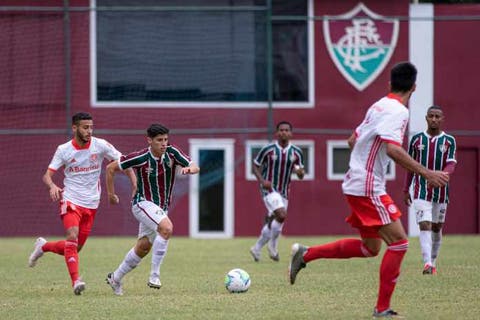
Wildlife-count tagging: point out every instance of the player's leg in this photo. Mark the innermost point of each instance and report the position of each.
(279, 216)
(396, 239)
(160, 246)
(423, 213)
(439, 214)
(71, 222)
(131, 260)
(271, 203)
(41, 245)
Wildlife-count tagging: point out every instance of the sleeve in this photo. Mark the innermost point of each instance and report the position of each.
(180, 157)
(260, 156)
(131, 160)
(452, 151)
(110, 152)
(300, 161)
(57, 160)
(392, 128)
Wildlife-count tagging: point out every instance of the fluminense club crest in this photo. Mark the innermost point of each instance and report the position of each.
(360, 43)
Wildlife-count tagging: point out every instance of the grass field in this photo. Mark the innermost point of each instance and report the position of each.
(193, 273)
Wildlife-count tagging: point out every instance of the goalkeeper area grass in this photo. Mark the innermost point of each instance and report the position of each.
(193, 272)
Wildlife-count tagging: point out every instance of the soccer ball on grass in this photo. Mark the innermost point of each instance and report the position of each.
(237, 281)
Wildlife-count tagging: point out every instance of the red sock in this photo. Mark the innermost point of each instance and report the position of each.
(71, 259)
(389, 272)
(57, 247)
(341, 249)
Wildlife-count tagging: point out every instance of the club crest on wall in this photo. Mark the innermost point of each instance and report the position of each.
(360, 43)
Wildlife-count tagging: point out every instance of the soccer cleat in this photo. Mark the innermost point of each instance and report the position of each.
(116, 285)
(255, 254)
(37, 252)
(272, 253)
(78, 287)
(296, 261)
(154, 282)
(429, 269)
(389, 313)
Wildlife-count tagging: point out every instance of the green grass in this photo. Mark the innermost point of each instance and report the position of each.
(193, 273)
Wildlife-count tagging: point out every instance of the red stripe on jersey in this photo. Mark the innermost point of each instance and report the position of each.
(392, 142)
(431, 164)
(147, 192)
(369, 181)
(281, 172)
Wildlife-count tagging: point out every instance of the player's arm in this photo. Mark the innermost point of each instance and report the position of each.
(400, 156)
(256, 172)
(112, 168)
(351, 140)
(54, 191)
(191, 169)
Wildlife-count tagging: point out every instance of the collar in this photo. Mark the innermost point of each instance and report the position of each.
(78, 147)
(395, 97)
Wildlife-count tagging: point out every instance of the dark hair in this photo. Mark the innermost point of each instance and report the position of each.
(402, 77)
(156, 129)
(434, 107)
(77, 117)
(284, 122)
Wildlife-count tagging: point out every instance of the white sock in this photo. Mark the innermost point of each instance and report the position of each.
(426, 245)
(436, 243)
(129, 263)
(159, 251)
(276, 231)
(265, 235)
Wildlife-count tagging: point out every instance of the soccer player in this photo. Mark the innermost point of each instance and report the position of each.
(273, 167)
(378, 138)
(435, 150)
(155, 169)
(82, 159)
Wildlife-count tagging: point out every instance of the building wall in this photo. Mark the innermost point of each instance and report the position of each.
(32, 98)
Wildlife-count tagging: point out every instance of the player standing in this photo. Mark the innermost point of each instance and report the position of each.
(155, 169)
(82, 159)
(435, 150)
(277, 161)
(378, 138)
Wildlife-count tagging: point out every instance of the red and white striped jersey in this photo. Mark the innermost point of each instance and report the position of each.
(385, 122)
(83, 166)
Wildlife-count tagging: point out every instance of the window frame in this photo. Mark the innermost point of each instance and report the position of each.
(343, 144)
(309, 144)
(95, 103)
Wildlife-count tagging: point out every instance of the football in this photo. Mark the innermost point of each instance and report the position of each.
(237, 281)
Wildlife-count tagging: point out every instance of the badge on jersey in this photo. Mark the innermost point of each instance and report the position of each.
(360, 43)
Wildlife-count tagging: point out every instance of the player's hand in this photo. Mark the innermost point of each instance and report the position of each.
(437, 179)
(55, 192)
(186, 170)
(407, 198)
(267, 185)
(299, 171)
(113, 199)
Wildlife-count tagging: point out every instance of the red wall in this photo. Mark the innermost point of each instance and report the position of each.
(32, 95)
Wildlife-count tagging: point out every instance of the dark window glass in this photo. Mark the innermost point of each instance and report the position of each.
(198, 56)
(211, 203)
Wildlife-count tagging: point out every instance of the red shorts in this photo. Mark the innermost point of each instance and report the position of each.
(73, 215)
(370, 213)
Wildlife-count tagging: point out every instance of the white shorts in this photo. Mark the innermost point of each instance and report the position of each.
(429, 211)
(149, 216)
(274, 201)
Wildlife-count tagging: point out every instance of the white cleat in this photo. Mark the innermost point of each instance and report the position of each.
(255, 254)
(273, 253)
(37, 252)
(116, 285)
(154, 282)
(78, 287)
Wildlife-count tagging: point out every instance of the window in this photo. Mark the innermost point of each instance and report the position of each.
(194, 57)
(338, 156)
(252, 147)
